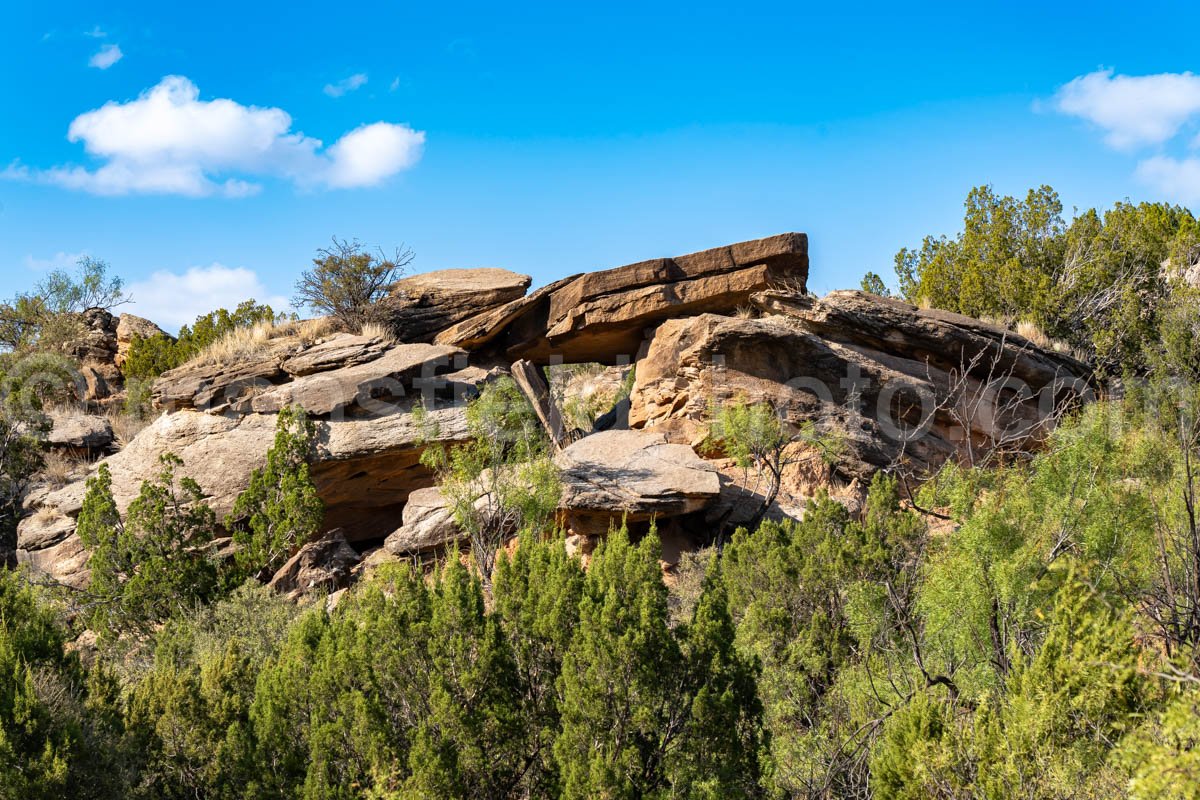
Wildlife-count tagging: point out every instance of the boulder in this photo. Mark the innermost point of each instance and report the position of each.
(79, 432)
(130, 327)
(323, 565)
(633, 476)
(339, 350)
(428, 524)
(420, 306)
(603, 316)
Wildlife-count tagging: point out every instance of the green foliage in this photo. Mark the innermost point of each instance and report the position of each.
(1099, 282)
(47, 317)
(347, 279)
(56, 740)
(151, 356)
(537, 594)
(810, 599)
(874, 284)
(153, 565)
(621, 716)
(189, 715)
(280, 510)
(757, 437)
(503, 480)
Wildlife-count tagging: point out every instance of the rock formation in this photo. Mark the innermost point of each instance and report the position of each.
(130, 327)
(896, 387)
(421, 306)
(896, 384)
(602, 316)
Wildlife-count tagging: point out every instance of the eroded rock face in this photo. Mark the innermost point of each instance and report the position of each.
(130, 327)
(368, 445)
(603, 316)
(634, 476)
(321, 566)
(333, 375)
(79, 432)
(420, 306)
(428, 524)
(892, 384)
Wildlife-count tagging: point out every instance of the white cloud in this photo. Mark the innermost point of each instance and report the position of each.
(106, 56)
(59, 260)
(169, 141)
(96, 33)
(395, 84)
(172, 299)
(1177, 178)
(1132, 109)
(370, 153)
(345, 85)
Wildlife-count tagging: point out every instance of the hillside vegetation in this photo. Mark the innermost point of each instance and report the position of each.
(1026, 629)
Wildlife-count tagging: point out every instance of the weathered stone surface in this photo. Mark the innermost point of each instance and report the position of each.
(339, 350)
(101, 380)
(218, 386)
(323, 565)
(388, 377)
(364, 470)
(428, 524)
(602, 316)
(890, 395)
(948, 340)
(45, 528)
(129, 327)
(98, 339)
(65, 561)
(633, 475)
(420, 306)
(78, 431)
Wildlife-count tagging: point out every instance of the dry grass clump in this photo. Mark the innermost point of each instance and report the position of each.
(378, 331)
(125, 426)
(1039, 337)
(746, 312)
(59, 469)
(243, 343)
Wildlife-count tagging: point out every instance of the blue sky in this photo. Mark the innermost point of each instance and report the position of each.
(555, 138)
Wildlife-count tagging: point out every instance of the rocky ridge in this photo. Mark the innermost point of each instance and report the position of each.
(728, 324)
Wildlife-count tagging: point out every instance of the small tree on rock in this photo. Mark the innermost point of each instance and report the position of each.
(347, 279)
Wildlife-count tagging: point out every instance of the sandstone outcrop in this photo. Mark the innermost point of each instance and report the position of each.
(634, 476)
(602, 316)
(878, 384)
(78, 432)
(892, 383)
(329, 376)
(420, 306)
(130, 327)
(96, 348)
(368, 443)
(321, 566)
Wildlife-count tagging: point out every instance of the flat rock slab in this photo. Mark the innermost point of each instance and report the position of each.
(420, 306)
(636, 475)
(75, 430)
(389, 376)
(340, 350)
(602, 316)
